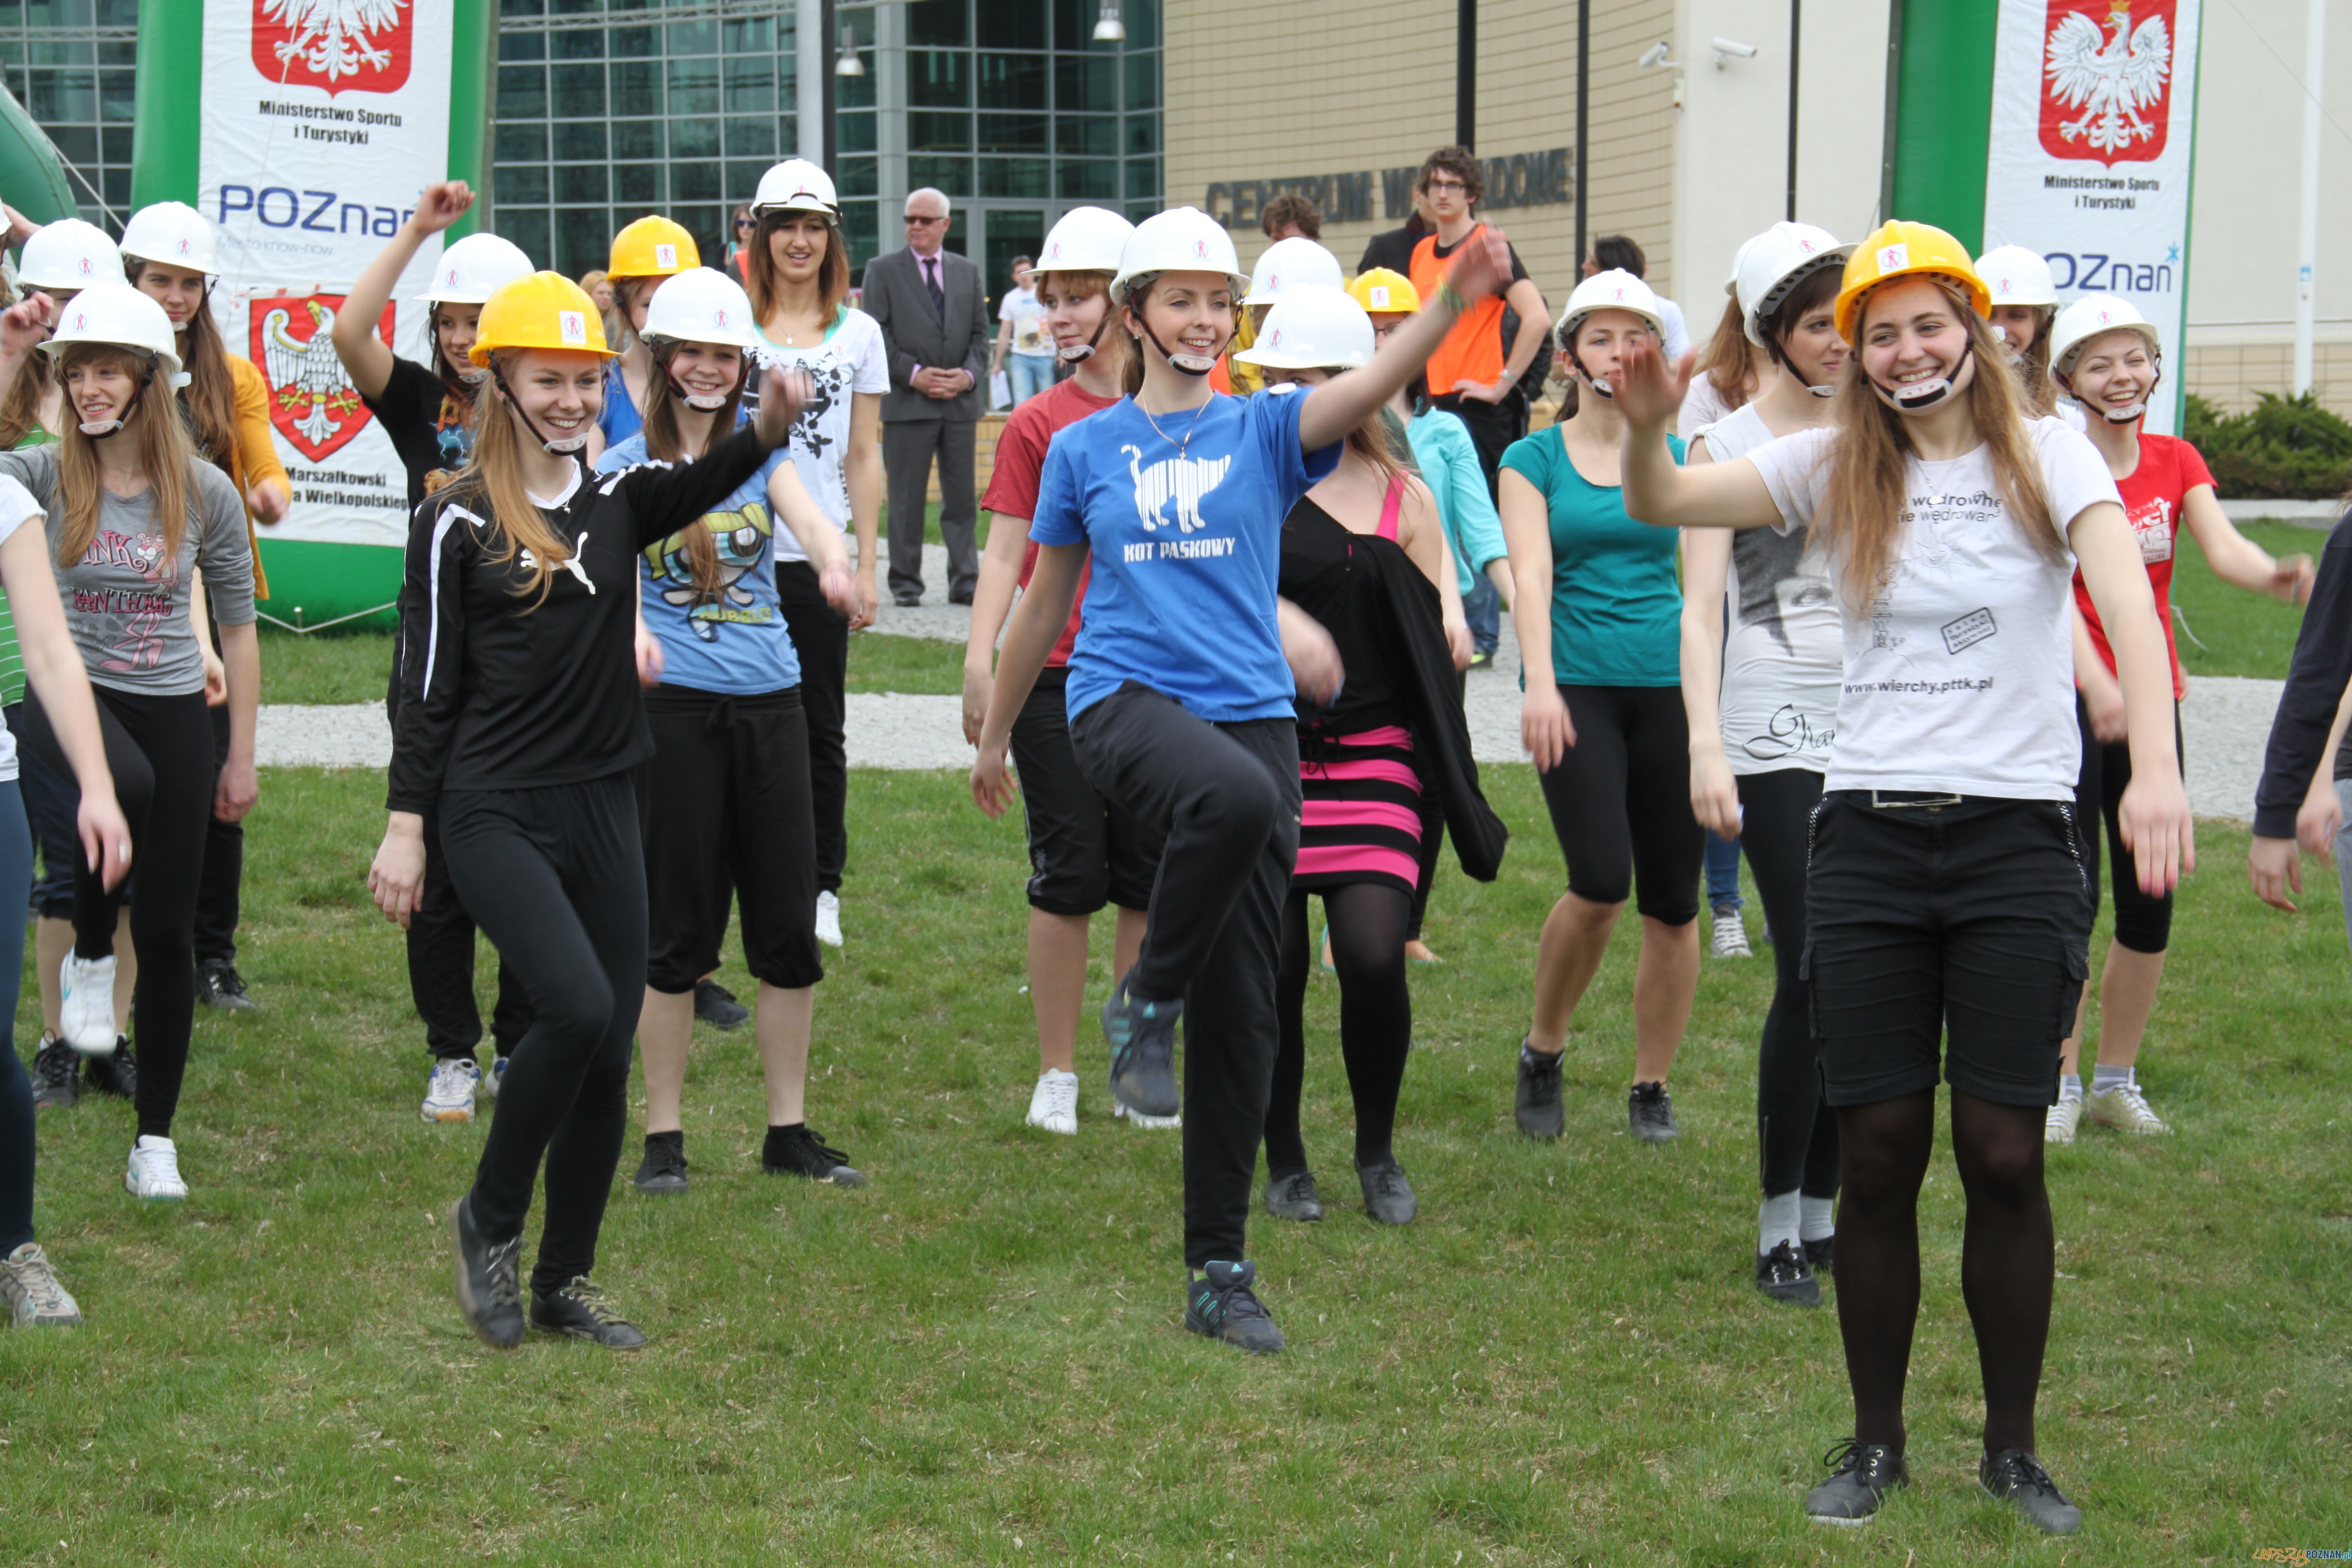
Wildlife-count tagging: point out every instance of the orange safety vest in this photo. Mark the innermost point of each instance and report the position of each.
(1473, 350)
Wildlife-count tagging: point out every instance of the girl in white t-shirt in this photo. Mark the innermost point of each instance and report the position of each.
(1945, 892)
(1021, 334)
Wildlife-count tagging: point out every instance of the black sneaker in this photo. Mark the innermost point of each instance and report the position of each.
(800, 1151)
(1538, 1101)
(1142, 1036)
(580, 1311)
(56, 1073)
(1865, 1474)
(1388, 1197)
(2016, 1478)
(1651, 1112)
(663, 1170)
(1785, 1276)
(1822, 1255)
(1221, 1306)
(117, 1075)
(1292, 1195)
(219, 985)
(489, 1295)
(716, 1006)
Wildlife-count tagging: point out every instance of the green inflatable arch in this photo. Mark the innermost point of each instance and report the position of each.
(32, 174)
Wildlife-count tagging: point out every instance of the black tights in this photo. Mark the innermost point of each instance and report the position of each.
(1796, 1139)
(1369, 921)
(2007, 1257)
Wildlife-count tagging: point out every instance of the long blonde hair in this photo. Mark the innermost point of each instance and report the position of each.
(494, 477)
(1730, 359)
(20, 407)
(166, 453)
(1867, 504)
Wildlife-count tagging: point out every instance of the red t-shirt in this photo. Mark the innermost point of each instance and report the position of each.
(2153, 493)
(1020, 460)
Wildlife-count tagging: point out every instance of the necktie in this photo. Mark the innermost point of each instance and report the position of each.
(931, 281)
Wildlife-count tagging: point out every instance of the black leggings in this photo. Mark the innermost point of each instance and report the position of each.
(820, 638)
(1619, 801)
(16, 1088)
(557, 878)
(219, 894)
(161, 752)
(2143, 924)
(1368, 936)
(1797, 1136)
(441, 969)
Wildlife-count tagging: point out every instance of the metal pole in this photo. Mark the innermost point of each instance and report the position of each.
(830, 26)
(1796, 34)
(1465, 73)
(1891, 137)
(1583, 97)
(2315, 48)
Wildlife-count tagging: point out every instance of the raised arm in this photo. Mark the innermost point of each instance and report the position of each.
(664, 499)
(363, 353)
(1344, 402)
(2154, 813)
(1659, 491)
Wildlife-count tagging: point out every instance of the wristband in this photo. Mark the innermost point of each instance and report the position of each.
(1447, 295)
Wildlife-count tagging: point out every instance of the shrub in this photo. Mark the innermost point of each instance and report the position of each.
(2285, 449)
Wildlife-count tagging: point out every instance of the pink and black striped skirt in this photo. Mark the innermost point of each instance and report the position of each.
(1362, 816)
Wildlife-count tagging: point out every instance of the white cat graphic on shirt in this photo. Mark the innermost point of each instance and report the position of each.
(1181, 479)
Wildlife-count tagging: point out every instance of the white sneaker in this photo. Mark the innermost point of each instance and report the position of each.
(495, 1079)
(2064, 1116)
(2124, 1109)
(31, 1294)
(1149, 1123)
(1054, 1103)
(449, 1093)
(1730, 934)
(86, 1005)
(155, 1170)
(828, 918)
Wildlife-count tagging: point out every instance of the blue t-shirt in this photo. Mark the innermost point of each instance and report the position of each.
(620, 419)
(1187, 544)
(734, 642)
(1616, 606)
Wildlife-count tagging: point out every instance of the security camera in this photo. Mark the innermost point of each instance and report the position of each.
(1726, 48)
(1654, 55)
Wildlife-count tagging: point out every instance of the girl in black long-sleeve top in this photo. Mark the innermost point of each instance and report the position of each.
(519, 722)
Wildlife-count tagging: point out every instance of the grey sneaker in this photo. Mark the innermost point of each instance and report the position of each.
(1292, 1195)
(1142, 1036)
(56, 1073)
(1223, 1305)
(1650, 1111)
(29, 1289)
(1537, 1102)
(1865, 1474)
(1786, 1275)
(2016, 1478)
(489, 1294)
(578, 1311)
(1388, 1197)
(801, 1150)
(716, 1006)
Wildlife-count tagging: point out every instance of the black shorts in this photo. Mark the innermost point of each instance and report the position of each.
(1619, 801)
(1084, 852)
(1970, 922)
(723, 807)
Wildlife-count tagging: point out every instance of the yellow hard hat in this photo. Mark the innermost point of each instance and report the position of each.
(544, 310)
(1901, 249)
(1384, 291)
(652, 247)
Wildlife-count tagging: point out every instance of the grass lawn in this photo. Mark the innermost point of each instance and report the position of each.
(978, 1357)
(2240, 633)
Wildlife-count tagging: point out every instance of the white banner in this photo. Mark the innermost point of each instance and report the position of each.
(2093, 111)
(323, 120)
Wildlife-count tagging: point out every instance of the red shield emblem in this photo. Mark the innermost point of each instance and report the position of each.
(2106, 78)
(312, 399)
(344, 46)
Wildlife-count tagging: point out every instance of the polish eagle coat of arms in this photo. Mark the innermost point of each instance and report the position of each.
(2107, 88)
(312, 402)
(339, 45)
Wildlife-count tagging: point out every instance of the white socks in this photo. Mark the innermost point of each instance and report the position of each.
(1777, 1219)
(2107, 1080)
(2069, 1086)
(1818, 1218)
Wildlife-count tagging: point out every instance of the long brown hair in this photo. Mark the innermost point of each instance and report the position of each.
(766, 289)
(493, 475)
(663, 442)
(2032, 371)
(1112, 346)
(1729, 360)
(164, 456)
(210, 396)
(1864, 510)
(20, 408)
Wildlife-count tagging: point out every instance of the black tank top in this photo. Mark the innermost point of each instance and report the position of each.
(1327, 572)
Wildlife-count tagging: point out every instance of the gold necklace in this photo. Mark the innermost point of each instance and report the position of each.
(1180, 445)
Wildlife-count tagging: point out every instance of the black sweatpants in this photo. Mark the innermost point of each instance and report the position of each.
(820, 637)
(217, 893)
(16, 1088)
(1796, 1134)
(161, 752)
(2143, 924)
(1227, 798)
(441, 969)
(1619, 801)
(557, 878)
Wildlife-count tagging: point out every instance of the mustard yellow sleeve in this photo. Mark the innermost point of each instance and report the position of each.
(256, 453)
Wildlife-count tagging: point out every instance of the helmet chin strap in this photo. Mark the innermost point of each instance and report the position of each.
(706, 402)
(1085, 350)
(569, 447)
(1920, 395)
(1183, 365)
(1780, 357)
(99, 429)
(1600, 384)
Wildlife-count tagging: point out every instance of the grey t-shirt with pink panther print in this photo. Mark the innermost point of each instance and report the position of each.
(125, 602)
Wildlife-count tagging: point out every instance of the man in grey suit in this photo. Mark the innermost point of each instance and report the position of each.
(934, 324)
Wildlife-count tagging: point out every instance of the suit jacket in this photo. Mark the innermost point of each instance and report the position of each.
(914, 333)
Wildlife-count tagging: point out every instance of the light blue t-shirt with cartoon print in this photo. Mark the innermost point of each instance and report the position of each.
(1186, 533)
(734, 641)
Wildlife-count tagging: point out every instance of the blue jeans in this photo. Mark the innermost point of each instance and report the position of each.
(1483, 609)
(1722, 872)
(1029, 374)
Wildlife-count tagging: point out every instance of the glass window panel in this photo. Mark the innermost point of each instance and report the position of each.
(522, 92)
(577, 44)
(520, 142)
(858, 177)
(115, 90)
(1088, 84)
(524, 182)
(521, 47)
(638, 185)
(743, 179)
(693, 87)
(580, 142)
(1092, 179)
(77, 143)
(748, 36)
(1138, 211)
(752, 137)
(1143, 81)
(117, 54)
(629, 43)
(1142, 132)
(934, 131)
(942, 21)
(752, 84)
(116, 185)
(1014, 177)
(855, 91)
(59, 96)
(574, 7)
(696, 182)
(636, 87)
(693, 139)
(694, 38)
(853, 133)
(939, 79)
(953, 175)
(1011, 82)
(859, 226)
(636, 139)
(1012, 26)
(114, 143)
(577, 90)
(1143, 176)
(1074, 24)
(584, 239)
(51, 51)
(1142, 19)
(788, 134)
(1013, 133)
(1082, 137)
(521, 8)
(581, 182)
(117, 13)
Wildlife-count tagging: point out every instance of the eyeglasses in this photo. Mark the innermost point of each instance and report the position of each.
(1446, 185)
(743, 223)
(914, 218)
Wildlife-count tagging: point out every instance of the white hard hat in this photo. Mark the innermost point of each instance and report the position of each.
(474, 269)
(115, 313)
(69, 254)
(2092, 316)
(1085, 239)
(1181, 239)
(700, 306)
(2016, 276)
(1738, 259)
(174, 234)
(1615, 289)
(1776, 261)
(1289, 265)
(797, 186)
(1318, 328)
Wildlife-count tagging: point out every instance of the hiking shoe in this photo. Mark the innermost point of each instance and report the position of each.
(449, 1092)
(494, 1080)
(154, 1169)
(1822, 1255)
(1149, 1123)
(489, 1296)
(2063, 1118)
(1482, 660)
(578, 1311)
(1650, 1111)
(716, 1006)
(1865, 1474)
(1222, 1305)
(828, 918)
(56, 1073)
(2016, 1478)
(29, 1289)
(1142, 1036)
(117, 1075)
(662, 1172)
(1730, 933)
(800, 1151)
(1054, 1103)
(1537, 1104)
(1786, 1275)
(2124, 1109)
(219, 985)
(86, 1005)
(1388, 1197)
(1292, 1195)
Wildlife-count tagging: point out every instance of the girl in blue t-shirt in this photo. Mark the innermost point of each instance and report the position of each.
(1180, 693)
(724, 803)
